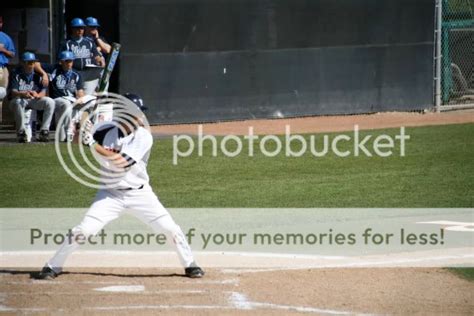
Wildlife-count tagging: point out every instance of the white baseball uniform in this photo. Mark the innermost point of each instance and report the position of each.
(131, 193)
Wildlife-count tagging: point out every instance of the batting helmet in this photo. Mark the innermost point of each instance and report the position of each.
(66, 55)
(28, 56)
(77, 22)
(137, 100)
(91, 21)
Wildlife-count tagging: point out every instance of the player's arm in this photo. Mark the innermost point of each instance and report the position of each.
(44, 75)
(120, 160)
(40, 94)
(135, 151)
(79, 88)
(8, 49)
(6, 52)
(99, 59)
(103, 45)
(21, 94)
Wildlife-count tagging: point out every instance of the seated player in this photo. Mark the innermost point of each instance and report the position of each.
(28, 92)
(66, 88)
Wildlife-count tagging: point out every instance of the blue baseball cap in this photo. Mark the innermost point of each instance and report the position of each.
(28, 56)
(91, 21)
(77, 22)
(66, 55)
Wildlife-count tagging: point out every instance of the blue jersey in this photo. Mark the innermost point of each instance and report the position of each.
(64, 84)
(7, 42)
(84, 51)
(22, 81)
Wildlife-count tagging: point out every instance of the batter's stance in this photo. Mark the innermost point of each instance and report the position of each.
(126, 145)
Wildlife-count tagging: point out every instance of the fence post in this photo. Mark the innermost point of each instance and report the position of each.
(438, 57)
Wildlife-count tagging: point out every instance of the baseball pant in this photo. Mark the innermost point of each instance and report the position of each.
(18, 106)
(109, 205)
(3, 82)
(4, 77)
(63, 107)
(90, 86)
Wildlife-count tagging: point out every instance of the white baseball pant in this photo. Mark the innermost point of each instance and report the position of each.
(109, 205)
(18, 106)
(63, 106)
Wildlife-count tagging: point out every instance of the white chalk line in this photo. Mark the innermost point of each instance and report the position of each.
(139, 307)
(241, 302)
(453, 226)
(4, 308)
(122, 288)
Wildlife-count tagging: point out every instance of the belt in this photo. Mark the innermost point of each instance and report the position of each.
(128, 189)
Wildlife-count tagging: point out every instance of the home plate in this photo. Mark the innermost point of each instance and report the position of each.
(122, 288)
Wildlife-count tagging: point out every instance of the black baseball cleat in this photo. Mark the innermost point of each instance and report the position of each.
(43, 136)
(47, 274)
(194, 272)
(22, 138)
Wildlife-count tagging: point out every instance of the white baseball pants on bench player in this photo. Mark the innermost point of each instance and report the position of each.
(109, 205)
(19, 105)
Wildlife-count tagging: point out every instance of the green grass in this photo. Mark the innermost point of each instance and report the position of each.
(466, 273)
(436, 172)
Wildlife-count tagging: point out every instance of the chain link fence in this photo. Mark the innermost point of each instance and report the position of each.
(456, 49)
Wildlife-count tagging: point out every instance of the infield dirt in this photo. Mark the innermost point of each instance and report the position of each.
(316, 291)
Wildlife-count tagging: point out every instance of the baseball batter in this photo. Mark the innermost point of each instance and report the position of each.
(127, 149)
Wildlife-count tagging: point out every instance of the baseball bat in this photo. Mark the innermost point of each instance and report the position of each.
(109, 67)
(105, 78)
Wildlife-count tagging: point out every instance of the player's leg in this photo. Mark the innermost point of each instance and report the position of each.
(105, 208)
(63, 107)
(4, 74)
(17, 106)
(145, 205)
(45, 104)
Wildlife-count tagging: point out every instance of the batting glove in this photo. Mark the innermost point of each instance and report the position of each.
(86, 134)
